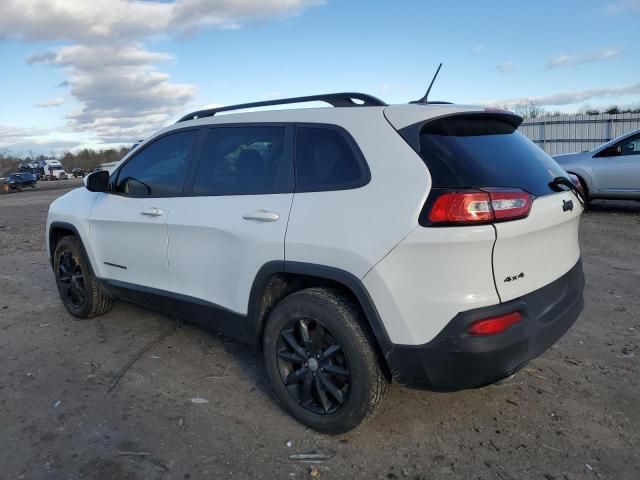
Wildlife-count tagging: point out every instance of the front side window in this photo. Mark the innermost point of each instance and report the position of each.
(160, 168)
(630, 146)
(244, 161)
(326, 161)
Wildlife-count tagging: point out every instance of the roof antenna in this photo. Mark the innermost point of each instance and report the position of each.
(423, 100)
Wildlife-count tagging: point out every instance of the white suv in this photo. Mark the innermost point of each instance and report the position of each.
(431, 244)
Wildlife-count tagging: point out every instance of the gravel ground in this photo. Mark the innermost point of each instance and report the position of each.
(573, 413)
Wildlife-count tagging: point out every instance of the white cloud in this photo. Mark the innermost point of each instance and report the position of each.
(53, 102)
(88, 21)
(623, 6)
(571, 97)
(112, 75)
(121, 94)
(477, 49)
(571, 60)
(92, 57)
(22, 140)
(505, 67)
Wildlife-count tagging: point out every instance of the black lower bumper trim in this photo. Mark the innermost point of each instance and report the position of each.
(455, 360)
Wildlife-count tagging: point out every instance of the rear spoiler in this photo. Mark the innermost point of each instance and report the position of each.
(411, 134)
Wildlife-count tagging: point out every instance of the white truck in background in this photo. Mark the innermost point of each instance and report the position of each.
(54, 170)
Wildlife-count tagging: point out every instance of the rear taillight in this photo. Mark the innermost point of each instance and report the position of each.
(469, 207)
(494, 325)
(458, 207)
(576, 181)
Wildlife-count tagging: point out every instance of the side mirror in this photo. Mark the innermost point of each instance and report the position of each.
(97, 181)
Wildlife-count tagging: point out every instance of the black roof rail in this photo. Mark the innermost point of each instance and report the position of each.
(345, 99)
(434, 102)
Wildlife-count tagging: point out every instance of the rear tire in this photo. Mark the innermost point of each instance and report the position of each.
(77, 286)
(321, 360)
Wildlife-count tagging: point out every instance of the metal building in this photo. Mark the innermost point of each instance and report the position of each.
(577, 133)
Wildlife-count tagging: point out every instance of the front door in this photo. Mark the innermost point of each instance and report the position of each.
(619, 172)
(128, 225)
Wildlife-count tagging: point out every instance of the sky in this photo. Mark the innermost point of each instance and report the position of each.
(101, 73)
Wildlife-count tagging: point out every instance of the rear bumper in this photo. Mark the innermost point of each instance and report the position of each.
(455, 360)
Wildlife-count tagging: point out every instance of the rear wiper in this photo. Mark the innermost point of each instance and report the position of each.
(558, 182)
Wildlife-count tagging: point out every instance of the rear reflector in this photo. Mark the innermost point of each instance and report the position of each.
(476, 206)
(494, 325)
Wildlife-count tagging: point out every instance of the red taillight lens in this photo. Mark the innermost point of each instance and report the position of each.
(510, 205)
(480, 207)
(461, 207)
(493, 325)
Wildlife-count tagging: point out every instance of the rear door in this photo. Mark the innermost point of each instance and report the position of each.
(231, 221)
(485, 152)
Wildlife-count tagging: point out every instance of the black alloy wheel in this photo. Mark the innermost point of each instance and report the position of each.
(321, 360)
(77, 285)
(71, 278)
(313, 366)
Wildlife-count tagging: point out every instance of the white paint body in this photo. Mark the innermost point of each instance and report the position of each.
(418, 278)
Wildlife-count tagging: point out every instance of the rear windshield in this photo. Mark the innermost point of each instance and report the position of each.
(481, 151)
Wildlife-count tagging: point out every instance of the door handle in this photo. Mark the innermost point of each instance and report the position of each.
(261, 216)
(152, 212)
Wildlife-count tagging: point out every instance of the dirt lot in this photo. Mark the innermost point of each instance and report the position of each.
(573, 413)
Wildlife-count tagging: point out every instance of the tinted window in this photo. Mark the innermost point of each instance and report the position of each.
(160, 168)
(244, 160)
(326, 161)
(630, 146)
(482, 151)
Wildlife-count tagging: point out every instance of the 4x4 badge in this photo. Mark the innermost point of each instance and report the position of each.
(567, 205)
(514, 278)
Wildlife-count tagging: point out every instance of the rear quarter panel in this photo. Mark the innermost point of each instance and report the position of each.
(353, 229)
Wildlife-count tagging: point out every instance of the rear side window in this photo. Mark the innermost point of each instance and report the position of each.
(244, 161)
(326, 160)
(160, 168)
(485, 151)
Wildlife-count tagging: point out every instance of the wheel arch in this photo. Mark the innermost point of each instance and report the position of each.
(584, 177)
(59, 230)
(277, 279)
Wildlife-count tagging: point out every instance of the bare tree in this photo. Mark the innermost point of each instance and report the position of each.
(528, 108)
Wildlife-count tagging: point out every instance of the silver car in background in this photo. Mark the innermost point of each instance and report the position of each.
(610, 171)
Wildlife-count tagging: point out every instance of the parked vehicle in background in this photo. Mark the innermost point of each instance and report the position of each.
(17, 181)
(610, 171)
(27, 179)
(32, 168)
(355, 244)
(77, 172)
(54, 170)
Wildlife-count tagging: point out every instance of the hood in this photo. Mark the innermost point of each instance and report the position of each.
(570, 157)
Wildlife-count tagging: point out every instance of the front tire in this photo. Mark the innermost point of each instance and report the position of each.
(585, 189)
(77, 286)
(321, 361)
